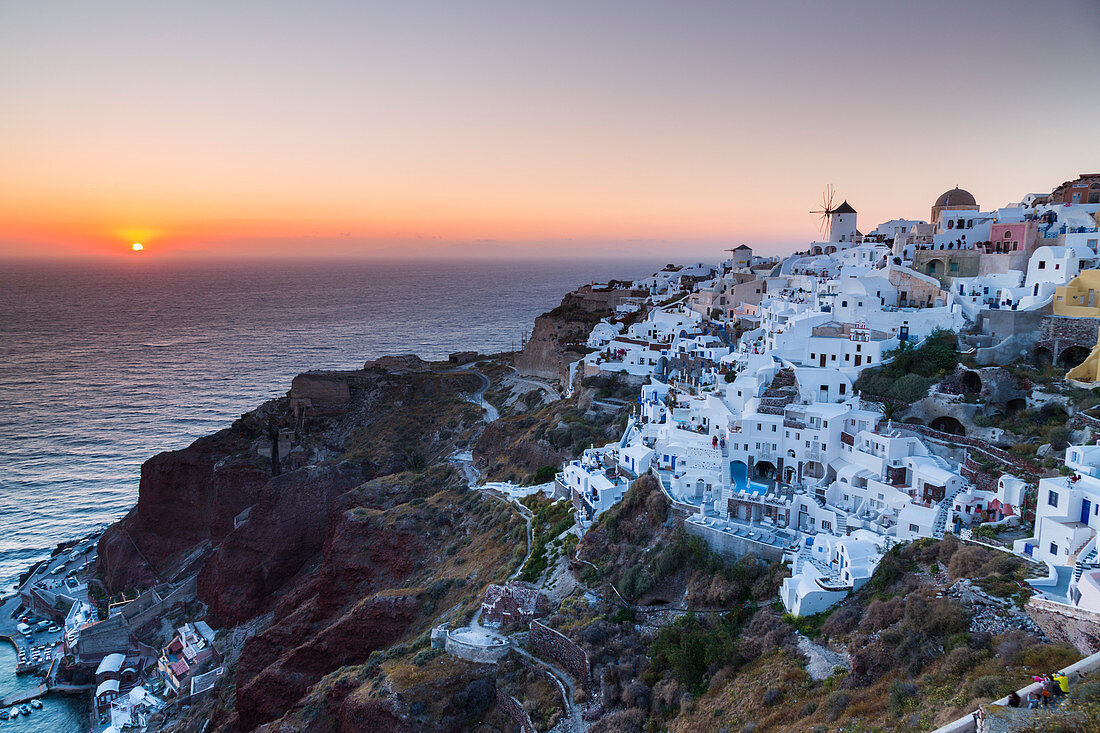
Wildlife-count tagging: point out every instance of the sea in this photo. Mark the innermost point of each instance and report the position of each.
(103, 365)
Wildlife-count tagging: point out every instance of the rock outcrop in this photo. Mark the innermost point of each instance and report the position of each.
(340, 547)
(558, 338)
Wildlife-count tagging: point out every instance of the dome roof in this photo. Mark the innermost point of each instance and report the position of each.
(956, 197)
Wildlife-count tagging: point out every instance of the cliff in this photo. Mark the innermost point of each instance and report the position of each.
(354, 535)
(558, 337)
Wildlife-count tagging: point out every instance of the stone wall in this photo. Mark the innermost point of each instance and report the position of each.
(1013, 464)
(729, 545)
(545, 642)
(480, 653)
(1058, 333)
(607, 298)
(514, 710)
(319, 393)
(156, 602)
(1068, 624)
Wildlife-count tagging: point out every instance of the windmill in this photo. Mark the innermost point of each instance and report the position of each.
(827, 210)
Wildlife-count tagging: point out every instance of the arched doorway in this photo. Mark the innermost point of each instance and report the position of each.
(1015, 405)
(789, 475)
(948, 424)
(814, 470)
(1042, 356)
(970, 382)
(1071, 357)
(764, 469)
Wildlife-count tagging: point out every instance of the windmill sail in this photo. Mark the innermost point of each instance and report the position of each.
(828, 196)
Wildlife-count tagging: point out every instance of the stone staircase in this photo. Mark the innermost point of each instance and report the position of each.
(1087, 562)
(780, 393)
(842, 524)
(943, 511)
(805, 552)
(841, 528)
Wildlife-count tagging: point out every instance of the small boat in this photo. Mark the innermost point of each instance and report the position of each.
(36, 704)
(14, 712)
(4, 715)
(24, 709)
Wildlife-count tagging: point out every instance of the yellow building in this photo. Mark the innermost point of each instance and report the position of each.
(1089, 369)
(1078, 297)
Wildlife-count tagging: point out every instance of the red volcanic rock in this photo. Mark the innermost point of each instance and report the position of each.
(185, 497)
(285, 530)
(359, 715)
(371, 624)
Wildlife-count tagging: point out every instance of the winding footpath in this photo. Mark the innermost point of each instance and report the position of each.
(566, 687)
(574, 721)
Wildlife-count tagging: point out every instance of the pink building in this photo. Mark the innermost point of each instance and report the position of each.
(1021, 236)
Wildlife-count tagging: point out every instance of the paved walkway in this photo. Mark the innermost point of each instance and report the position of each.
(566, 687)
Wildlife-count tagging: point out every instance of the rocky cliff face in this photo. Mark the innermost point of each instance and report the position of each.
(546, 354)
(357, 537)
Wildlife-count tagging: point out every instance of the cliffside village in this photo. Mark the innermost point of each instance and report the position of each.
(749, 416)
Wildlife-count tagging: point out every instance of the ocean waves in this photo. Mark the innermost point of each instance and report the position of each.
(104, 367)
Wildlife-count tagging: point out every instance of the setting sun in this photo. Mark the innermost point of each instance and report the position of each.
(137, 246)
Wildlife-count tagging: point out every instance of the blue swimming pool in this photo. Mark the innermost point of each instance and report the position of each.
(739, 477)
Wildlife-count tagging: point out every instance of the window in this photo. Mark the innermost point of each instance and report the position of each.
(843, 388)
(1042, 265)
(914, 528)
(773, 428)
(1052, 498)
(1053, 549)
(954, 267)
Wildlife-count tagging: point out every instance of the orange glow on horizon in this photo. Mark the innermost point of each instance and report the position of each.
(526, 129)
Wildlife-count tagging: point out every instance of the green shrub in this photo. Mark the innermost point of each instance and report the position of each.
(835, 705)
(991, 686)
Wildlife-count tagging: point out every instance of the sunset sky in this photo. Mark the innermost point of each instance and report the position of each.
(587, 128)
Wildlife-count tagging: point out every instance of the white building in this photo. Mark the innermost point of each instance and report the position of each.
(596, 482)
(1067, 515)
(827, 569)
